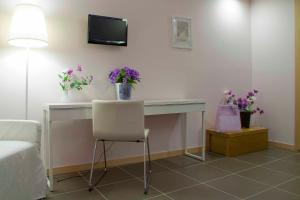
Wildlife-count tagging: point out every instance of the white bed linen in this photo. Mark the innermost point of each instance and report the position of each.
(22, 174)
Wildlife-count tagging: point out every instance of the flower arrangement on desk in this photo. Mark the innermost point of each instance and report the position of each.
(246, 105)
(124, 79)
(71, 79)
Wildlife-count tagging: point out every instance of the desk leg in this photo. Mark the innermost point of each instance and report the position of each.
(184, 131)
(203, 136)
(48, 149)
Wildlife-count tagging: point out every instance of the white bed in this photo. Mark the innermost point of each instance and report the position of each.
(22, 174)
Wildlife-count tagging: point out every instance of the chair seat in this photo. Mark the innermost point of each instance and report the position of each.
(21, 168)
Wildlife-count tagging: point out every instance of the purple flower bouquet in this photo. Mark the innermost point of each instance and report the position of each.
(124, 79)
(246, 105)
(124, 75)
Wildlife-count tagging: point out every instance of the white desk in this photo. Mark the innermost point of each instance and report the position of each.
(53, 112)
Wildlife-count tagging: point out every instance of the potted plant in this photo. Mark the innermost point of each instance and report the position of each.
(124, 80)
(246, 106)
(73, 80)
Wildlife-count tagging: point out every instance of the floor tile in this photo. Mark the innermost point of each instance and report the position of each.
(284, 166)
(256, 158)
(274, 195)
(292, 186)
(238, 186)
(230, 164)
(128, 190)
(294, 159)
(184, 179)
(70, 182)
(203, 172)
(210, 156)
(113, 175)
(161, 197)
(138, 169)
(178, 162)
(276, 152)
(266, 176)
(200, 192)
(79, 195)
(169, 181)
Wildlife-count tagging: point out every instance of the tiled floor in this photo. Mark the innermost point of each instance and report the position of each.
(272, 174)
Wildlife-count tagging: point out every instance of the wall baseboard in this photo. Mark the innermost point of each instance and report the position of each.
(123, 161)
(282, 145)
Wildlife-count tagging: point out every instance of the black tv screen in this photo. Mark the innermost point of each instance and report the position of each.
(107, 30)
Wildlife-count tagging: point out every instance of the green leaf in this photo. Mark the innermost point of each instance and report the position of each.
(72, 85)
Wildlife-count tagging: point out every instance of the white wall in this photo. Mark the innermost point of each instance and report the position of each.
(273, 65)
(220, 59)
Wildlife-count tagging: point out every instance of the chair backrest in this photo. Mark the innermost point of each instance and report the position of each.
(118, 120)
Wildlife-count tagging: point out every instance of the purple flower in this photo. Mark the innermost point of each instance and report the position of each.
(124, 75)
(251, 94)
(79, 68)
(70, 72)
(255, 91)
(261, 112)
(114, 75)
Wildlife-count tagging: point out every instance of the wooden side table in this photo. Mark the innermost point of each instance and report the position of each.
(238, 143)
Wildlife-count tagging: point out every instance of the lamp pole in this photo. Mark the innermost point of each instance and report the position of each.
(26, 82)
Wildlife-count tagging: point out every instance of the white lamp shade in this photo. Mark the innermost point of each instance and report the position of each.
(28, 28)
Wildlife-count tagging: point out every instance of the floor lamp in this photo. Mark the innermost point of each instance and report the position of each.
(28, 30)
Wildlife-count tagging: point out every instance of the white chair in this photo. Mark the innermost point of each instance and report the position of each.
(121, 121)
(22, 172)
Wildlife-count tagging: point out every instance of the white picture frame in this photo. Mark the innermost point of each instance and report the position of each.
(182, 32)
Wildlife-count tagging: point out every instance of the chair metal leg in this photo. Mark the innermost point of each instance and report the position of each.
(104, 152)
(92, 185)
(149, 159)
(93, 163)
(147, 168)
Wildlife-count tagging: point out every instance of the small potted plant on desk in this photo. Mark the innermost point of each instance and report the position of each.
(73, 80)
(124, 79)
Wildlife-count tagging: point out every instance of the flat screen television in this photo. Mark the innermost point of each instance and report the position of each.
(107, 30)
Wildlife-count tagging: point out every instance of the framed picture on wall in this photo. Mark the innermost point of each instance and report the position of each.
(182, 32)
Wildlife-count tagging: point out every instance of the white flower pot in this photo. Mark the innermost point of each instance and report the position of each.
(123, 91)
(73, 96)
